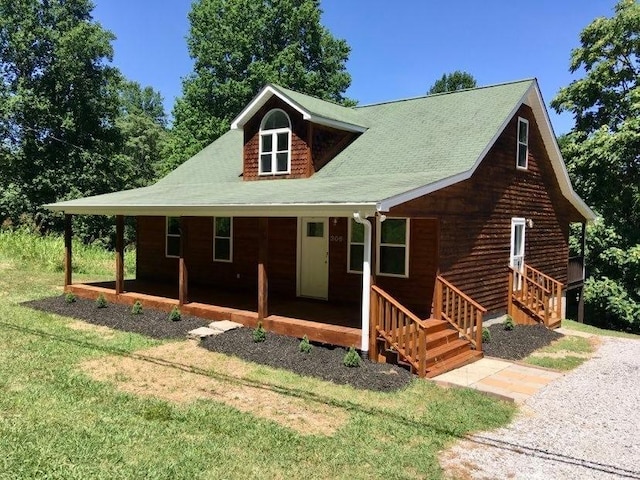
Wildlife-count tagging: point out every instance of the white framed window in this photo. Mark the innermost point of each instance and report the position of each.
(172, 237)
(393, 247)
(522, 155)
(355, 254)
(223, 239)
(275, 144)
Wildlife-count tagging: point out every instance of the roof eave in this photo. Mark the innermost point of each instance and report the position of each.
(366, 209)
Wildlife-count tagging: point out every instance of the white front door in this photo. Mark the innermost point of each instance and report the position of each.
(314, 257)
(516, 260)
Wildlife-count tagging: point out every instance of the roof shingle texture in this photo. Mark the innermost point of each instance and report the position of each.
(408, 144)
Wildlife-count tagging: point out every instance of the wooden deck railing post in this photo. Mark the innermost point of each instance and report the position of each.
(68, 236)
(119, 254)
(478, 330)
(437, 300)
(510, 295)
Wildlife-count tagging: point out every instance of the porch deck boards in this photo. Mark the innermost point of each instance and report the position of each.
(336, 324)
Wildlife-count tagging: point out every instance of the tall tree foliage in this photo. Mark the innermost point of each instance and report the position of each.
(240, 45)
(70, 125)
(450, 82)
(603, 158)
(59, 104)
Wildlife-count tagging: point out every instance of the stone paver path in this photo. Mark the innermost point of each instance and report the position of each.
(500, 378)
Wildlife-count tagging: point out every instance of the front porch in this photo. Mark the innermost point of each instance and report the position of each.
(331, 323)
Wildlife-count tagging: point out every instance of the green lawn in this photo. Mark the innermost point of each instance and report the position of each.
(583, 327)
(58, 422)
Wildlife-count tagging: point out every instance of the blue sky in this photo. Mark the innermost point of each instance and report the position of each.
(398, 48)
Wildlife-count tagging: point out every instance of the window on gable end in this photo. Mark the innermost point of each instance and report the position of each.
(522, 157)
(275, 143)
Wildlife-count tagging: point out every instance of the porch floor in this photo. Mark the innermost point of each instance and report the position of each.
(321, 321)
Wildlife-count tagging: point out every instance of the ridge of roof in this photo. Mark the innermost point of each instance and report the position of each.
(452, 92)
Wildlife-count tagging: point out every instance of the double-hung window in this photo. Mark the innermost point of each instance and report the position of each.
(393, 247)
(172, 237)
(522, 158)
(275, 143)
(356, 247)
(222, 239)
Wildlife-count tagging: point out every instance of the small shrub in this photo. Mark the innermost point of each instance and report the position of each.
(305, 346)
(101, 302)
(351, 358)
(70, 298)
(486, 335)
(259, 334)
(509, 324)
(175, 315)
(137, 308)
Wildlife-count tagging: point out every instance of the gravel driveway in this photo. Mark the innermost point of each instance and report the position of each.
(585, 425)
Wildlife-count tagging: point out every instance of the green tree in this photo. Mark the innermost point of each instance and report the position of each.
(142, 125)
(603, 158)
(58, 106)
(450, 82)
(238, 46)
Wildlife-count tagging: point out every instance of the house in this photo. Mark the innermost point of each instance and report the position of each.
(395, 227)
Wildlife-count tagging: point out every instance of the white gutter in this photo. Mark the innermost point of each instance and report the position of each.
(366, 282)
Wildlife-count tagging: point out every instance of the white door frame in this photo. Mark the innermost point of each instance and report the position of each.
(299, 255)
(516, 260)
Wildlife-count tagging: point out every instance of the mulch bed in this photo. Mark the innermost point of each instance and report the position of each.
(518, 343)
(322, 362)
(277, 351)
(152, 323)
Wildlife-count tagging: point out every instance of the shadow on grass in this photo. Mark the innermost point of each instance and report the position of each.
(345, 404)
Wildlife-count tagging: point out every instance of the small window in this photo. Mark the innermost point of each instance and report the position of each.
(315, 229)
(522, 159)
(356, 247)
(222, 239)
(172, 243)
(275, 144)
(393, 247)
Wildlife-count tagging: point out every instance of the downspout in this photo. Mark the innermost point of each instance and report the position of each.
(366, 283)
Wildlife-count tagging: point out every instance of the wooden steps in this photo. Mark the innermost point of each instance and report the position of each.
(446, 350)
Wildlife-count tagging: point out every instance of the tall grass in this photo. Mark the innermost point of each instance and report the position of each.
(46, 253)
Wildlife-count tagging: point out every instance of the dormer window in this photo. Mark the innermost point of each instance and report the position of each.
(275, 143)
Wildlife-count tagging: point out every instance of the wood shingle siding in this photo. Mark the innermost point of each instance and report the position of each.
(476, 214)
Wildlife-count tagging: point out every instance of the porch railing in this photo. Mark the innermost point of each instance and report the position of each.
(537, 292)
(402, 329)
(460, 310)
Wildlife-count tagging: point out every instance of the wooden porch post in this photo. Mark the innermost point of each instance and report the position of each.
(68, 234)
(263, 280)
(183, 278)
(119, 254)
(583, 247)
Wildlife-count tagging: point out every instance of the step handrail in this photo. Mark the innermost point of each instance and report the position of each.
(400, 327)
(537, 290)
(459, 309)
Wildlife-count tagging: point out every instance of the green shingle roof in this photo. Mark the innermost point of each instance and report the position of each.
(407, 144)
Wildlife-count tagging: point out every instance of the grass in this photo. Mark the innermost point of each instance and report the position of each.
(57, 422)
(564, 354)
(583, 327)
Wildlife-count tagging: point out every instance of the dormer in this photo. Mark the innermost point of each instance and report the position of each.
(292, 135)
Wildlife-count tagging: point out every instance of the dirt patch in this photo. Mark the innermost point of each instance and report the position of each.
(561, 354)
(141, 377)
(518, 343)
(103, 331)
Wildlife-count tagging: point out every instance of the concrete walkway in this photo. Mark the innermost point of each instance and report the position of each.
(500, 378)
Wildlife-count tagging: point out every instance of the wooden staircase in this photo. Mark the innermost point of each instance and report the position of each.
(534, 298)
(426, 347)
